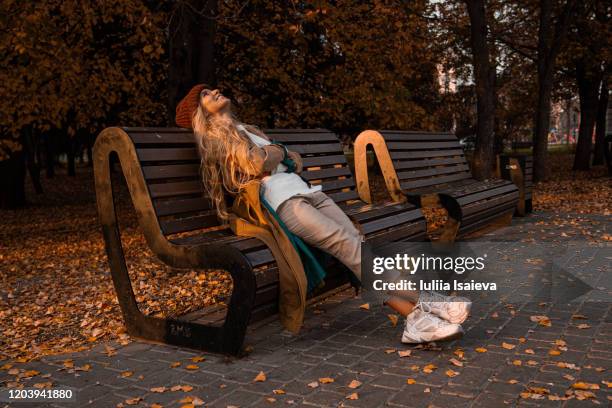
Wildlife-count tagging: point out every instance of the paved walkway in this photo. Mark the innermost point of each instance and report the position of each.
(503, 354)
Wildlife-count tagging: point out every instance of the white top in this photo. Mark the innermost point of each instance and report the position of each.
(279, 186)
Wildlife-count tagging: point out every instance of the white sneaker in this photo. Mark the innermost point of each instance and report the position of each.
(423, 327)
(453, 309)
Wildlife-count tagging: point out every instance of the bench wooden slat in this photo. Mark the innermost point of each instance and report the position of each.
(423, 145)
(419, 154)
(388, 222)
(189, 223)
(163, 138)
(344, 196)
(326, 173)
(409, 164)
(171, 171)
(312, 161)
(316, 148)
(185, 205)
(434, 181)
(416, 174)
(172, 154)
(417, 136)
(176, 189)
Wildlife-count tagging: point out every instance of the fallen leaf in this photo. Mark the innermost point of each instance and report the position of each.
(354, 384)
(541, 320)
(508, 346)
(410, 381)
(133, 401)
(313, 384)
(428, 369)
(198, 359)
(390, 351)
(529, 351)
(261, 377)
(583, 326)
(517, 363)
(427, 390)
(326, 380)
(158, 389)
(126, 374)
(192, 367)
(456, 362)
(459, 353)
(353, 396)
(278, 392)
(481, 350)
(365, 306)
(512, 381)
(585, 386)
(394, 318)
(451, 373)
(554, 352)
(404, 353)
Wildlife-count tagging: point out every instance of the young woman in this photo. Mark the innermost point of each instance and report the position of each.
(234, 153)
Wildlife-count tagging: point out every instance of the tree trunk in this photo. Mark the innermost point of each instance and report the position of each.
(12, 181)
(600, 126)
(550, 39)
(50, 141)
(191, 50)
(70, 152)
(29, 146)
(484, 77)
(588, 81)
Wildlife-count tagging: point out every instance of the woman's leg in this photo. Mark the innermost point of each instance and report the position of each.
(319, 221)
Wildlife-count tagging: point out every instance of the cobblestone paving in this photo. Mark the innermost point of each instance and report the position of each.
(344, 342)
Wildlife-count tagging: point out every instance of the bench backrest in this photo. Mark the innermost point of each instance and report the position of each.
(424, 160)
(171, 166)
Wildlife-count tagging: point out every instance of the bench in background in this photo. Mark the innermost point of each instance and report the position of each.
(418, 165)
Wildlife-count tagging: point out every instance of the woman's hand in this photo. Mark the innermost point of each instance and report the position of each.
(298, 161)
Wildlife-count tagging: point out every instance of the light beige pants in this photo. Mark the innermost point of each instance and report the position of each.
(319, 221)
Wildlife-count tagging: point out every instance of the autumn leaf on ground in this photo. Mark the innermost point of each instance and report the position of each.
(313, 384)
(158, 389)
(353, 396)
(192, 367)
(175, 364)
(390, 351)
(480, 350)
(365, 306)
(571, 366)
(404, 353)
(517, 363)
(197, 359)
(554, 352)
(410, 381)
(354, 384)
(456, 362)
(532, 363)
(429, 368)
(529, 351)
(508, 346)
(513, 381)
(260, 377)
(278, 392)
(459, 353)
(126, 374)
(451, 373)
(585, 386)
(583, 326)
(133, 401)
(326, 380)
(541, 320)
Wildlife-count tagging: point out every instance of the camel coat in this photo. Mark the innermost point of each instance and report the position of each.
(248, 217)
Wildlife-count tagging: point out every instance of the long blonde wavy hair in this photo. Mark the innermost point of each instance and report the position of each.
(225, 156)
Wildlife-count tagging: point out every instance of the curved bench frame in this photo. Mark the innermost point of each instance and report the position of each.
(227, 338)
(453, 223)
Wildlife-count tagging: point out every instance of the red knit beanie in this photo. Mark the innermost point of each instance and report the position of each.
(188, 106)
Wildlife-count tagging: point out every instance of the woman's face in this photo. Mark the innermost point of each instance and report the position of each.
(214, 101)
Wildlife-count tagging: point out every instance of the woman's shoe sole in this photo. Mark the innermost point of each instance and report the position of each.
(453, 336)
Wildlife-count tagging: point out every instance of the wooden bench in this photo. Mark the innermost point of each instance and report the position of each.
(420, 166)
(162, 171)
